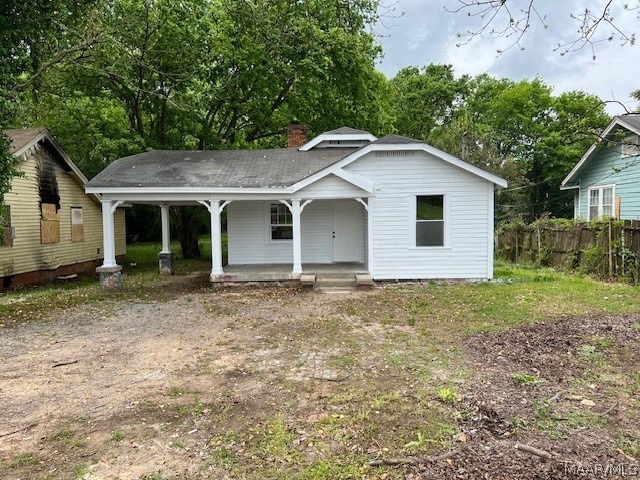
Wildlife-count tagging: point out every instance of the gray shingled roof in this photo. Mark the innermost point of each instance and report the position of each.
(631, 119)
(396, 139)
(346, 131)
(217, 168)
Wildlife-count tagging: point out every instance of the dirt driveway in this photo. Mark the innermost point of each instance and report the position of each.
(280, 382)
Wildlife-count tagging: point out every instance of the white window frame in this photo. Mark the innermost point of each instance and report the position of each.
(270, 239)
(79, 214)
(413, 221)
(600, 189)
(630, 146)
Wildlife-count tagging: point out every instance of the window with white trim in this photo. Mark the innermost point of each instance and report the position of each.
(281, 222)
(630, 146)
(601, 201)
(430, 221)
(77, 224)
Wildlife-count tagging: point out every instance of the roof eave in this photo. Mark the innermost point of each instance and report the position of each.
(590, 153)
(325, 137)
(189, 190)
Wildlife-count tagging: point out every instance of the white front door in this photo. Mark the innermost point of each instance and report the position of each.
(348, 240)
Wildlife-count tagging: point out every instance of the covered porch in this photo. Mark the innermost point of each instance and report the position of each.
(318, 239)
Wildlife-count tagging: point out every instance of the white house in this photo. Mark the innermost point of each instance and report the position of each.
(394, 207)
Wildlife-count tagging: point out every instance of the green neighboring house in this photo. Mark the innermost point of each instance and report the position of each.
(606, 180)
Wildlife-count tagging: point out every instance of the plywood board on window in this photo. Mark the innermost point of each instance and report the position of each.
(49, 211)
(49, 231)
(77, 233)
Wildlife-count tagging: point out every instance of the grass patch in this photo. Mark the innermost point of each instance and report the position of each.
(21, 460)
(524, 379)
(447, 395)
(519, 295)
(67, 438)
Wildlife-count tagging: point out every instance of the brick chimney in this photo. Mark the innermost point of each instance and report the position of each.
(296, 134)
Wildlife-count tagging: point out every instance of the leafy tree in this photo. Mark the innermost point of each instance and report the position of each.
(215, 74)
(424, 99)
(34, 36)
(518, 130)
(544, 134)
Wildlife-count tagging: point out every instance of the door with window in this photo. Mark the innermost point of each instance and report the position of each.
(348, 240)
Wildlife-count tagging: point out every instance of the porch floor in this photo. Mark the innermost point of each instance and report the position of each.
(274, 272)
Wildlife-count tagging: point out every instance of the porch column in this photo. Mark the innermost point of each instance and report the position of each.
(165, 257)
(108, 234)
(297, 237)
(110, 271)
(216, 239)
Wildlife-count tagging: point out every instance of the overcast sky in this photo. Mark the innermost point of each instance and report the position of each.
(420, 32)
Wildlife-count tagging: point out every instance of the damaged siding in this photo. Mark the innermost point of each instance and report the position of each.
(38, 244)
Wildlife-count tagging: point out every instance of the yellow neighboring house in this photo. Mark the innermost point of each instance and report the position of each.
(51, 227)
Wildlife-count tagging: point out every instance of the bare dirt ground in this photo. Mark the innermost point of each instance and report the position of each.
(279, 382)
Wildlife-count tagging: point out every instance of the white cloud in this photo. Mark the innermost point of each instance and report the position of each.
(427, 34)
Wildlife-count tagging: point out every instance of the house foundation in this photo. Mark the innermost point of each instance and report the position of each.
(110, 277)
(165, 263)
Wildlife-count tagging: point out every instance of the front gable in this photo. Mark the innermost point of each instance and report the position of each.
(398, 148)
(617, 143)
(332, 186)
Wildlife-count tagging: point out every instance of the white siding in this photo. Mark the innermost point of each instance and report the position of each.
(397, 181)
(248, 234)
(331, 187)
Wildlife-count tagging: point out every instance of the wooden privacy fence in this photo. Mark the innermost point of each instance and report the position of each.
(607, 249)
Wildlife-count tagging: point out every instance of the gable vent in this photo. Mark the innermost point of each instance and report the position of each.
(395, 153)
(347, 143)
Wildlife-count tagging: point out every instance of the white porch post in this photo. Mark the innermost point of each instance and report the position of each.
(165, 256)
(110, 271)
(166, 240)
(216, 239)
(297, 237)
(108, 234)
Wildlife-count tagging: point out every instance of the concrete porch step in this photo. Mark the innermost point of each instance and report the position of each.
(338, 280)
(331, 280)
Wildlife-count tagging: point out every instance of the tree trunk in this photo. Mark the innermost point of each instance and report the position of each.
(185, 220)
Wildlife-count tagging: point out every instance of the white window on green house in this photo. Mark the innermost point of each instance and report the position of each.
(430, 221)
(601, 201)
(281, 222)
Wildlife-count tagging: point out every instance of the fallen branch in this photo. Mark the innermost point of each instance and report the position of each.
(62, 364)
(397, 461)
(533, 450)
(412, 460)
(557, 396)
(611, 409)
(332, 379)
(22, 429)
